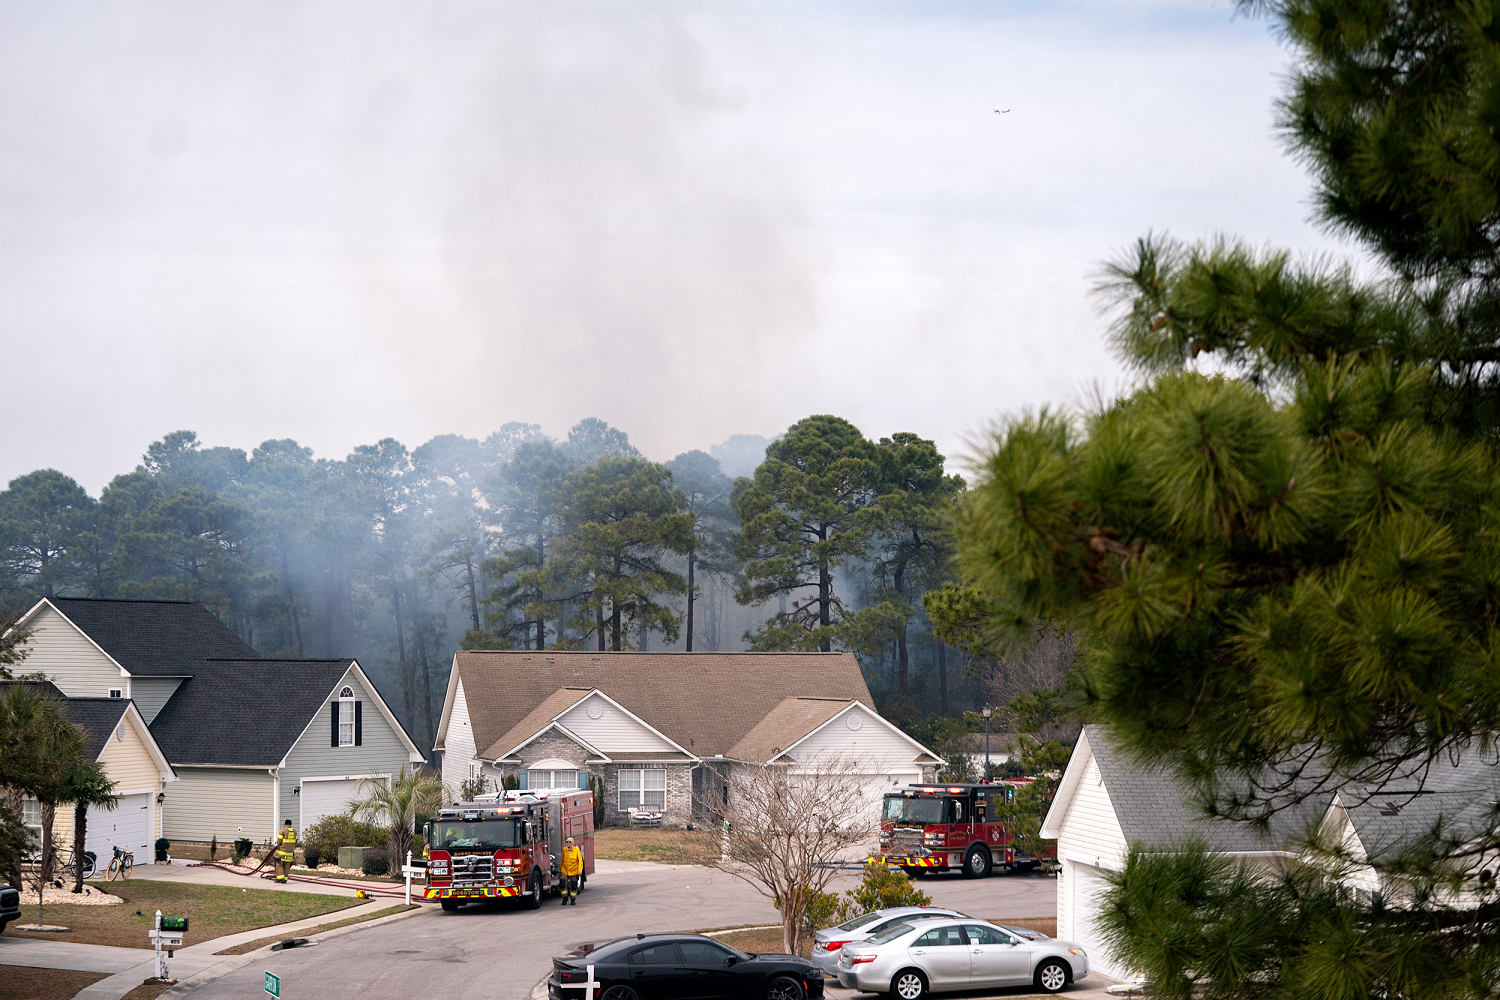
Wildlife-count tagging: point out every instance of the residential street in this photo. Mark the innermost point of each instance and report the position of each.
(501, 953)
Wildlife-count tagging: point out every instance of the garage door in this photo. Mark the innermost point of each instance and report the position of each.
(127, 825)
(1089, 885)
(326, 797)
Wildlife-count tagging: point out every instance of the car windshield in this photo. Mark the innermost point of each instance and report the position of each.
(859, 921)
(491, 833)
(899, 809)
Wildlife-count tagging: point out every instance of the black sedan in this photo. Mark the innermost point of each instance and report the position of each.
(680, 967)
(10, 906)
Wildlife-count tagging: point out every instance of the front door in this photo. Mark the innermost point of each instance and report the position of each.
(996, 958)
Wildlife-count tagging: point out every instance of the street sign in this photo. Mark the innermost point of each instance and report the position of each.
(273, 984)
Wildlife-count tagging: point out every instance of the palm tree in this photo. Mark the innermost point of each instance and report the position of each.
(42, 745)
(87, 785)
(398, 804)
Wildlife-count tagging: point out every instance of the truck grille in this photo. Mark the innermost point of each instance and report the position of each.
(473, 869)
(907, 840)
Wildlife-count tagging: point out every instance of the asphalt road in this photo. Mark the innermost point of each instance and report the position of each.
(501, 952)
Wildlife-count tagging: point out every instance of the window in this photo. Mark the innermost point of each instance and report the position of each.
(346, 717)
(31, 819)
(980, 934)
(701, 953)
(552, 779)
(656, 954)
(116, 693)
(940, 937)
(643, 788)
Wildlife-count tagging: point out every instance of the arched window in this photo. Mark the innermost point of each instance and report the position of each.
(346, 718)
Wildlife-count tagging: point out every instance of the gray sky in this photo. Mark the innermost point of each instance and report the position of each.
(341, 221)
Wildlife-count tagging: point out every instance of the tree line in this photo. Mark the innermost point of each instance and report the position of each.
(819, 540)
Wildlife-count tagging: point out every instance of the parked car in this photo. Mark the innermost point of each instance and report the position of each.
(910, 960)
(10, 906)
(649, 966)
(828, 941)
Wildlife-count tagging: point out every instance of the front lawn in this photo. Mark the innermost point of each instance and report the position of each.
(212, 911)
(22, 982)
(661, 844)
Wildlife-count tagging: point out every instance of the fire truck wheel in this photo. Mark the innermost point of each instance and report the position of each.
(977, 862)
(618, 992)
(534, 897)
(785, 988)
(451, 904)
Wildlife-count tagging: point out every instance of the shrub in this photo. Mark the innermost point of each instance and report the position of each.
(883, 887)
(471, 788)
(824, 909)
(510, 782)
(213, 846)
(311, 856)
(330, 833)
(376, 863)
(242, 847)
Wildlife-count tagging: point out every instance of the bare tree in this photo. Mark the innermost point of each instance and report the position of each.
(782, 827)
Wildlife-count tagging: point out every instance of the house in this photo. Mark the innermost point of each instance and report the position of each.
(662, 731)
(117, 737)
(1106, 802)
(252, 741)
(1000, 748)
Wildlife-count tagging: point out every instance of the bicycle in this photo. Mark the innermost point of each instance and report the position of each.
(119, 865)
(63, 864)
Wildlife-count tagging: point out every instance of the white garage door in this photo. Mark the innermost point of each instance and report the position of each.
(127, 825)
(1089, 885)
(325, 797)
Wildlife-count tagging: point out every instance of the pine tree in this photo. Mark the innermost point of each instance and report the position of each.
(1285, 578)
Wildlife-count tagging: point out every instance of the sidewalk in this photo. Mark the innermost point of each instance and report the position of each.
(132, 966)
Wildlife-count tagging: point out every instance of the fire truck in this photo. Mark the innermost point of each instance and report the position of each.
(506, 844)
(927, 828)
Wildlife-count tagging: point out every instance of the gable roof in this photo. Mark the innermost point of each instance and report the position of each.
(535, 721)
(785, 725)
(153, 638)
(705, 702)
(1157, 809)
(1457, 793)
(245, 713)
(98, 718)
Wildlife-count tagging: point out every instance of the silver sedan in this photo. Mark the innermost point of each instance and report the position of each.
(909, 960)
(828, 941)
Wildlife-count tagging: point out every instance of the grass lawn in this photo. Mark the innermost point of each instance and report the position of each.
(213, 911)
(21, 982)
(249, 946)
(662, 844)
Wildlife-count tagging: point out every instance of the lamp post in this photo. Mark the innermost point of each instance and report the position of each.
(987, 711)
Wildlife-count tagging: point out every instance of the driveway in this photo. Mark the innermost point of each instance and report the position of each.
(501, 952)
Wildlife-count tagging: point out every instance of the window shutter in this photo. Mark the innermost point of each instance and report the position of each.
(522, 777)
(358, 728)
(583, 778)
(335, 707)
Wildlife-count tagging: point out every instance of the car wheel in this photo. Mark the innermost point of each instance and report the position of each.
(618, 992)
(908, 984)
(451, 905)
(977, 862)
(785, 988)
(1051, 976)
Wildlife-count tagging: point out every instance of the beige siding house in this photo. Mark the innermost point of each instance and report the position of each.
(198, 695)
(661, 731)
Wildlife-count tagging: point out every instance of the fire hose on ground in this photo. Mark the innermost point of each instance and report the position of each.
(247, 872)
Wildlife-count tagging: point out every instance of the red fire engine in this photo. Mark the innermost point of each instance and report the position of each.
(942, 827)
(508, 845)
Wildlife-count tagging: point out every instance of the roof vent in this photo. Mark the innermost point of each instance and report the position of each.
(1391, 808)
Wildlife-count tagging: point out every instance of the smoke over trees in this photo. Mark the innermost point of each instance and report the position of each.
(399, 556)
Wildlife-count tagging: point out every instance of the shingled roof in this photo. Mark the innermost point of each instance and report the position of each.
(244, 712)
(154, 638)
(1156, 809)
(706, 702)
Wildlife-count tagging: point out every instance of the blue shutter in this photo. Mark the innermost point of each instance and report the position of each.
(335, 707)
(583, 778)
(522, 777)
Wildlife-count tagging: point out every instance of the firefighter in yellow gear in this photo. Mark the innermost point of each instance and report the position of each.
(286, 843)
(571, 869)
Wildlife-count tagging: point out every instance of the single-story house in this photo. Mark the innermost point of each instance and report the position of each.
(251, 741)
(663, 731)
(1106, 802)
(118, 738)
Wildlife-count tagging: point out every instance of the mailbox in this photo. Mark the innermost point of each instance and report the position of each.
(179, 924)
